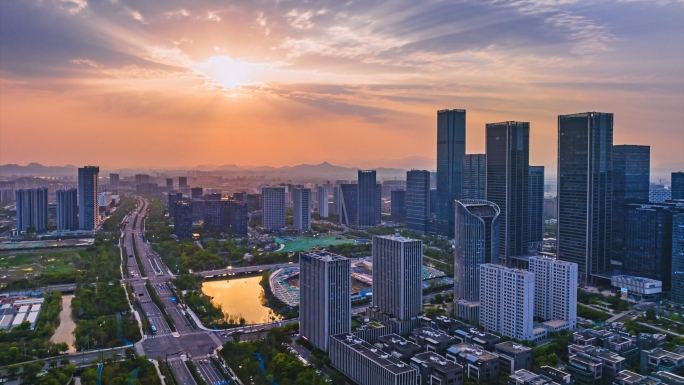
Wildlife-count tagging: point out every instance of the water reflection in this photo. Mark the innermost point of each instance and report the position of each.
(240, 297)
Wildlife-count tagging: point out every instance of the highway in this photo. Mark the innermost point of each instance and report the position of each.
(243, 270)
(186, 342)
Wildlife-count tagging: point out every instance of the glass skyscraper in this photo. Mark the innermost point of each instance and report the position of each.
(474, 176)
(67, 209)
(508, 160)
(536, 206)
(367, 199)
(585, 185)
(451, 136)
(398, 205)
(677, 185)
(631, 171)
(477, 243)
(649, 240)
(88, 205)
(418, 200)
(677, 294)
(349, 204)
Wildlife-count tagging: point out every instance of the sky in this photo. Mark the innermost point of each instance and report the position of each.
(168, 83)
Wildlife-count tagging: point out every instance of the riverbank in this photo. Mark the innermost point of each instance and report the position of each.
(65, 330)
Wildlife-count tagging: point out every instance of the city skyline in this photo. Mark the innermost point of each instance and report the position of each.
(132, 72)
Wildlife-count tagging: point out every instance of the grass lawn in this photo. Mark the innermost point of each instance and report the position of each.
(19, 265)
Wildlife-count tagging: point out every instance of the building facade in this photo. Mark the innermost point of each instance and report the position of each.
(32, 209)
(323, 206)
(182, 181)
(631, 172)
(648, 243)
(397, 276)
(555, 289)
(536, 207)
(302, 209)
(474, 176)
(398, 210)
(368, 199)
(325, 297)
(677, 185)
(451, 139)
(585, 185)
(677, 294)
(88, 190)
(508, 155)
(507, 301)
(274, 208)
(418, 200)
(477, 243)
(182, 222)
(67, 209)
(349, 204)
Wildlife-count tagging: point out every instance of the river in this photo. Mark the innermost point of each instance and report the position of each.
(240, 297)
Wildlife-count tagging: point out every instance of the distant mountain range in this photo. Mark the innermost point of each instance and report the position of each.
(37, 169)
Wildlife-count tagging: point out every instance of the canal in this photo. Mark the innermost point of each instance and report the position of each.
(240, 297)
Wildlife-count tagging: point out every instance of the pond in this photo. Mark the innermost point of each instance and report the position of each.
(307, 243)
(240, 297)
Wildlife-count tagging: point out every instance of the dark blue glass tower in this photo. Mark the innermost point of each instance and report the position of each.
(536, 206)
(508, 162)
(631, 171)
(451, 136)
(677, 294)
(677, 185)
(648, 245)
(585, 186)
(368, 199)
(398, 205)
(418, 200)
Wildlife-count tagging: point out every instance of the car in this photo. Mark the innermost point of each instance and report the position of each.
(318, 372)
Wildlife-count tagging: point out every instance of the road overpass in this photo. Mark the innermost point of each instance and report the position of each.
(244, 270)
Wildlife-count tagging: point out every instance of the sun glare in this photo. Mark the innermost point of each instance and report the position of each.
(226, 72)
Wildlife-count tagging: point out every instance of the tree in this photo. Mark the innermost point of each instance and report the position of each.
(12, 370)
(651, 314)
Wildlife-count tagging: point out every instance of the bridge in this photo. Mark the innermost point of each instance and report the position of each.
(244, 270)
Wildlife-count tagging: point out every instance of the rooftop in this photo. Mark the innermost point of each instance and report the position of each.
(432, 334)
(632, 378)
(512, 347)
(472, 352)
(372, 353)
(432, 359)
(397, 237)
(323, 255)
(661, 353)
(398, 343)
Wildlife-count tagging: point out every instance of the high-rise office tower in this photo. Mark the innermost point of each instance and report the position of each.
(88, 203)
(451, 136)
(238, 218)
(302, 209)
(398, 205)
(337, 200)
(378, 203)
(174, 197)
(677, 294)
(474, 176)
(631, 172)
(508, 163)
(114, 181)
(274, 207)
(418, 200)
(32, 209)
(215, 214)
(325, 297)
(585, 185)
(141, 178)
(433, 204)
(323, 201)
(477, 243)
(536, 207)
(555, 289)
(196, 192)
(349, 204)
(182, 222)
(507, 301)
(67, 209)
(367, 199)
(677, 185)
(648, 244)
(169, 183)
(398, 276)
(182, 181)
